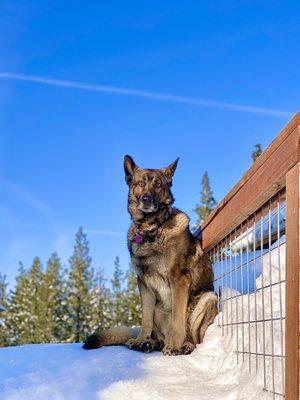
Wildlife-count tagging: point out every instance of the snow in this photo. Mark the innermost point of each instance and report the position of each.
(211, 372)
(266, 303)
(66, 372)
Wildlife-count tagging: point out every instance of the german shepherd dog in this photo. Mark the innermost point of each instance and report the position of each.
(175, 277)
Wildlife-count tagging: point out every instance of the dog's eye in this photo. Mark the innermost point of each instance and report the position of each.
(141, 184)
(157, 184)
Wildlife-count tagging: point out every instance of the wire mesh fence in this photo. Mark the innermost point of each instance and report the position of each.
(249, 267)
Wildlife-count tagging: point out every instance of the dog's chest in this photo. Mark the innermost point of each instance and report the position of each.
(160, 286)
(152, 260)
(154, 272)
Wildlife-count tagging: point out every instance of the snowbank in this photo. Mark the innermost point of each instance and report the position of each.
(267, 303)
(211, 372)
(66, 372)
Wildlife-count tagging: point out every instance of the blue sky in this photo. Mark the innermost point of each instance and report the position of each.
(205, 81)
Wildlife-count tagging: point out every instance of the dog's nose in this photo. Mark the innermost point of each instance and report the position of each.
(147, 197)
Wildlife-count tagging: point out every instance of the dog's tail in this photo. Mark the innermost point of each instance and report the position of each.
(109, 337)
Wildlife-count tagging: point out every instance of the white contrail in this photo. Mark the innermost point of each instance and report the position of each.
(146, 94)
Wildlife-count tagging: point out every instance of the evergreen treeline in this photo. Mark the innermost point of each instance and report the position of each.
(58, 304)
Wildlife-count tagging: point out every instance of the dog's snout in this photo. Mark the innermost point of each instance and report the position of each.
(148, 203)
(147, 197)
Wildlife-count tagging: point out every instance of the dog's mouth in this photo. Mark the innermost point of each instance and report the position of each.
(148, 204)
(148, 209)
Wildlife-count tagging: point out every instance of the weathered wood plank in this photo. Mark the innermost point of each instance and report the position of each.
(292, 285)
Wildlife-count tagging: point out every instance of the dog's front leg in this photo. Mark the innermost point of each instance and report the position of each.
(148, 304)
(180, 281)
(144, 342)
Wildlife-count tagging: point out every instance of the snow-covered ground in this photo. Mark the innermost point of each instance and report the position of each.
(267, 303)
(211, 372)
(66, 372)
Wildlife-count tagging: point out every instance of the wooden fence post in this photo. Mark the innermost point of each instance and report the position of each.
(292, 285)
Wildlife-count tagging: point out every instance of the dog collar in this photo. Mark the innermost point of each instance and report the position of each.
(138, 238)
(141, 236)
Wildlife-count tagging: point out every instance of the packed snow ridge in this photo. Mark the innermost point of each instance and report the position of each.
(67, 372)
(211, 372)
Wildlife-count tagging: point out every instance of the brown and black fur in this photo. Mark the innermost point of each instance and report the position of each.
(174, 275)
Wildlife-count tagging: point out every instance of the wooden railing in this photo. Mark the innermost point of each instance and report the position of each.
(276, 170)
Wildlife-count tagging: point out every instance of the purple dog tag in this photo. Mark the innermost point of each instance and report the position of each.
(138, 239)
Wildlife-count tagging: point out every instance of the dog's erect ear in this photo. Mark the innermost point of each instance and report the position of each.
(170, 170)
(129, 167)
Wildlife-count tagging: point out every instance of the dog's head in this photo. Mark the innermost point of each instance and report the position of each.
(149, 189)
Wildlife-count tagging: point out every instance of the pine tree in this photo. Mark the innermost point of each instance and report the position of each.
(100, 304)
(4, 336)
(18, 312)
(26, 318)
(256, 152)
(207, 201)
(79, 288)
(118, 309)
(55, 300)
(64, 321)
(132, 300)
(38, 305)
(3, 291)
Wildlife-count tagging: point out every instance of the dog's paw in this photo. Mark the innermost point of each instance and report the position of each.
(145, 346)
(170, 350)
(185, 349)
